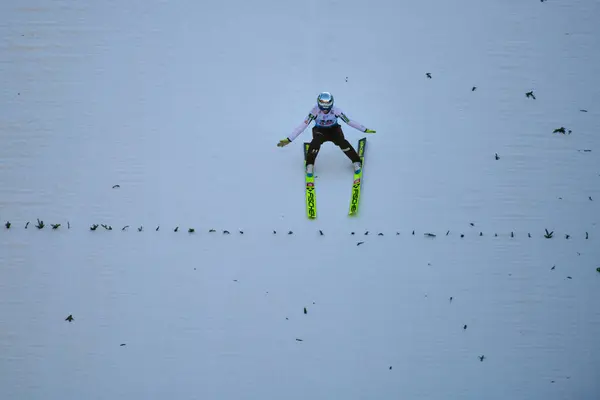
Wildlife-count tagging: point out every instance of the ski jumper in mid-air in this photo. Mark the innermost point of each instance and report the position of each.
(326, 129)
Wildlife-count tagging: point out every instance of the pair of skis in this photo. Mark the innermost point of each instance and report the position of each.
(311, 195)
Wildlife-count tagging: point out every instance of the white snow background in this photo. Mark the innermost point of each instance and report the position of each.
(182, 104)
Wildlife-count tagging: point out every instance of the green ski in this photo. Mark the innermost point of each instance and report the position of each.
(311, 196)
(357, 182)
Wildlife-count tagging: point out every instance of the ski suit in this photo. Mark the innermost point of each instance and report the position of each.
(327, 129)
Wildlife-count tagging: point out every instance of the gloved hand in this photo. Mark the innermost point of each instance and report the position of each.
(369, 131)
(283, 142)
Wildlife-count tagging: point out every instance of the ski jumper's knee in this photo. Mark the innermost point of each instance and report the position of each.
(344, 145)
(313, 149)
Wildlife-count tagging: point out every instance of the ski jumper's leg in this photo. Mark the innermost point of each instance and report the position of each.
(339, 139)
(319, 137)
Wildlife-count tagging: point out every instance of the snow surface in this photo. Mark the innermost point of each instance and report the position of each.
(182, 104)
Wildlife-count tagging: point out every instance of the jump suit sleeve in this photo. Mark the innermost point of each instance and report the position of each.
(354, 124)
(309, 118)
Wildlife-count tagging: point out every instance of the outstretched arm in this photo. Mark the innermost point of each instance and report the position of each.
(302, 126)
(311, 117)
(354, 124)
